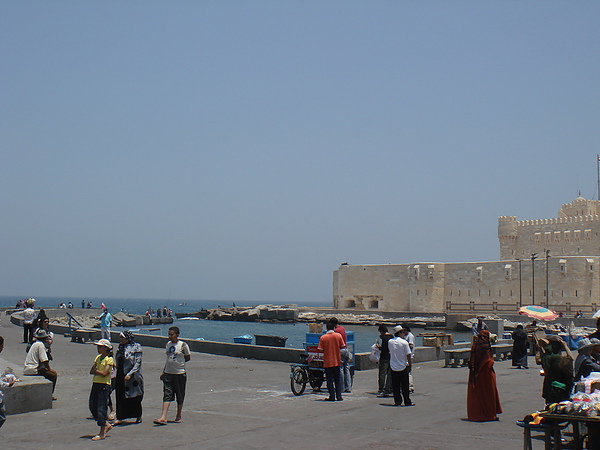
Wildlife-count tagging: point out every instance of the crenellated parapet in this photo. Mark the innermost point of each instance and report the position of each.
(558, 220)
(575, 231)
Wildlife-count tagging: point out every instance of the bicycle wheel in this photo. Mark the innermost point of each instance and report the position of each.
(298, 381)
(316, 381)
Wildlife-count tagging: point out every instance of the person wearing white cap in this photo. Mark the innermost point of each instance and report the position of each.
(400, 363)
(585, 364)
(101, 369)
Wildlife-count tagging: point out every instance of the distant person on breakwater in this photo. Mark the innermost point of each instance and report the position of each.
(174, 377)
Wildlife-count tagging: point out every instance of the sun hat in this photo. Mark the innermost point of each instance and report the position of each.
(586, 343)
(398, 328)
(104, 343)
(40, 334)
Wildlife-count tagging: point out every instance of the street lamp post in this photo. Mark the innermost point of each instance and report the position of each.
(533, 258)
(520, 284)
(547, 280)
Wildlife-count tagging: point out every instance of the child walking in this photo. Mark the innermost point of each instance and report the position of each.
(101, 369)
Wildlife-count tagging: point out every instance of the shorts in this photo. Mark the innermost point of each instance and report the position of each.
(174, 387)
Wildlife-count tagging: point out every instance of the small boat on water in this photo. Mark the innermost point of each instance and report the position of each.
(189, 318)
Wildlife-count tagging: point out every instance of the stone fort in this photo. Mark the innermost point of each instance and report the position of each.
(547, 262)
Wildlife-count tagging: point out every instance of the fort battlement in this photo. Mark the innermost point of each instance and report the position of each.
(558, 220)
(507, 219)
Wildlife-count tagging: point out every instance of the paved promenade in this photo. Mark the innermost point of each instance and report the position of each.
(234, 403)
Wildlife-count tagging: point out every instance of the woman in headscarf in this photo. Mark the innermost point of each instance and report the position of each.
(558, 370)
(483, 401)
(519, 351)
(129, 383)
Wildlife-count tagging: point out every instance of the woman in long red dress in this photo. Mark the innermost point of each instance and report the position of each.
(483, 401)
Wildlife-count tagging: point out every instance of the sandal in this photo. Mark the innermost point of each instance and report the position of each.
(98, 438)
(159, 422)
(177, 420)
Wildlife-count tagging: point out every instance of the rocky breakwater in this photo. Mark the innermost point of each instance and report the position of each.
(119, 319)
(259, 313)
(373, 319)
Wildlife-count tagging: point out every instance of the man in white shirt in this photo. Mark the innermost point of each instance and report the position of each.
(400, 363)
(28, 318)
(174, 376)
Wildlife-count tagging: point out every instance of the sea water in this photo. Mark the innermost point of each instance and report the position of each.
(214, 330)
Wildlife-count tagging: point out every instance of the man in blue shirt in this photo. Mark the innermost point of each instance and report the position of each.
(105, 323)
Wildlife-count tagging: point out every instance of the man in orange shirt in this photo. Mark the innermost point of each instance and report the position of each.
(331, 343)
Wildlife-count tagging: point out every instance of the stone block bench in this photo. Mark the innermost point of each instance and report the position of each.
(30, 393)
(83, 335)
(459, 354)
(502, 351)
(455, 356)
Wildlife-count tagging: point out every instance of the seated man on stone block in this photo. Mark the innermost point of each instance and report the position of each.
(37, 361)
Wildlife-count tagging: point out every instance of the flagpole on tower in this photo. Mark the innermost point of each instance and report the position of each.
(598, 173)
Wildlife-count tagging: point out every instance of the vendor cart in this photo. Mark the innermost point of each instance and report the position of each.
(311, 371)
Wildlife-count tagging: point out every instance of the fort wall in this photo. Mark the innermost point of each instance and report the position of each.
(564, 272)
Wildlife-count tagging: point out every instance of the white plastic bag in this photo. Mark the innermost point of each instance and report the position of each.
(374, 356)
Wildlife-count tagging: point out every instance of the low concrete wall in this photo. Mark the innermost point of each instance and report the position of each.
(290, 355)
(30, 393)
(422, 354)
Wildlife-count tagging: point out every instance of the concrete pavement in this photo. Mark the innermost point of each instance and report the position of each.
(234, 403)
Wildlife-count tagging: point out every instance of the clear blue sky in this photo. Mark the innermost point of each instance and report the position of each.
(244, 149)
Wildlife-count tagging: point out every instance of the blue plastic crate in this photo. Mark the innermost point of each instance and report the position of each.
(313, 338)
(242, 339)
